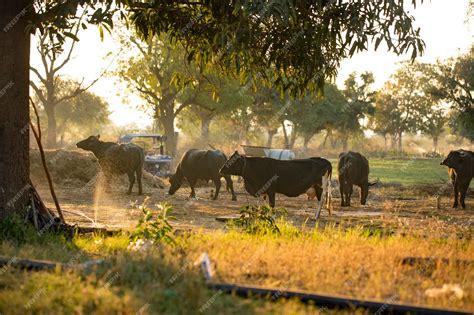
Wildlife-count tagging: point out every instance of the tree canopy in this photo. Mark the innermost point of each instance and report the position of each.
(305, 41)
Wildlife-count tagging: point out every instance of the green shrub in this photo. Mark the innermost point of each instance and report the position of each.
(258, 220)
(13, 228)
(154, 227)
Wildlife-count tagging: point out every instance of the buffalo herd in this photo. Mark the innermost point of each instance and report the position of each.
(264, 176)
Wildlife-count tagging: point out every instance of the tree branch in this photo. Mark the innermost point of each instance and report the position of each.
(149, 93)
(68, 57)
(38, 92)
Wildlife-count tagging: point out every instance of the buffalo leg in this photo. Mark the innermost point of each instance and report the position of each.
(271, 199)
(192, 183)
(364, 192)
(456, 195)
(319, 192)
(348, 191)
(325, 183)
(217, 182)
(131, 179)
(341, 190)
(463, 195)
(139, 180)
(230, 185)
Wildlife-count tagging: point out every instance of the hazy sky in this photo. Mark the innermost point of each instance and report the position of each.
(443, 28)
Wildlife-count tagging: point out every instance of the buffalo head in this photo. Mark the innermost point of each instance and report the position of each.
(176, 181)
(455, 159)
(234, 165)
(89, 144)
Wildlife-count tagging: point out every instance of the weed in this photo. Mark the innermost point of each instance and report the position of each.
(14, 229)
(259, 220)
(155, 228)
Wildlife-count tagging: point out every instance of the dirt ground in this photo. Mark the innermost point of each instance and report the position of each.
(116, 209)
(79, 187)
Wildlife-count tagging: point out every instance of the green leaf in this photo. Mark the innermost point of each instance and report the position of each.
(101, 33)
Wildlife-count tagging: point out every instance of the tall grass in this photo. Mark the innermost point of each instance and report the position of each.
(330, 259)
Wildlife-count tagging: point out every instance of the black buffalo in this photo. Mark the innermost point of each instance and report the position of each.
(201, 164)
(460, 165)
(353, 169)
(117, 159)
(266, 176)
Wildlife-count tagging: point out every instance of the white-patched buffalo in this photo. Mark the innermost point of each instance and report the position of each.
(201, 164)
(266, 176)
(460, 165)
(117, 159)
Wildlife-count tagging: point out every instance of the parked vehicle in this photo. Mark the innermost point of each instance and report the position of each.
(156, 161)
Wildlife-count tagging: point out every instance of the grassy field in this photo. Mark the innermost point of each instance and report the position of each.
(164, 279)
(409, 171)
(356, 256)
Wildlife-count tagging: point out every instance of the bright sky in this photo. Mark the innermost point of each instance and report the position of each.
(443, 28)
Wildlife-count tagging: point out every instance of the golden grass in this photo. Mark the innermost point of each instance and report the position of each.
(343, 262)
(328, 260)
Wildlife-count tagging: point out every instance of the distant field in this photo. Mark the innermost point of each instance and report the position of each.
(406, 171)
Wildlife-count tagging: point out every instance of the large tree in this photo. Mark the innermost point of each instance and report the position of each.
(217, 96)
(149, 74)
(47, 77)
(452, 81)
(82, 115)
(14, 108)
(269, 109)
(359, 99)
(404, 103)
(305, 41)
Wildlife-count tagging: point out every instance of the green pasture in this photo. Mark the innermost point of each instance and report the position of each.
(407, 171)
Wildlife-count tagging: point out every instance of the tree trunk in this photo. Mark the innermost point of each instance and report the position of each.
(14, 107)
(205, 124)
(292, 140)
(167, 121)
(333, 141)
(393, 141)
(400, 144)
(285, 134)
(51, 139)
(435, 143)
(306, 139)
(270, 134)
(294, 135)
(385, 142)
(345, 142)
(326, 137)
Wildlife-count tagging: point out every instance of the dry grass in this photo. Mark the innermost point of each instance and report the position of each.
(356, 261)
(344, 262)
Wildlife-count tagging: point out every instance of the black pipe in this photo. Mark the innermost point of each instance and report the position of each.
(330, 301)
(38, 265)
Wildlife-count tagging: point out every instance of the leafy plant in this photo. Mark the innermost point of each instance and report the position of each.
(154, 227)
(259, 220)
(14, 229)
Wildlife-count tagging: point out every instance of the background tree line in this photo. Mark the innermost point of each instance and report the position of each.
(209, 107)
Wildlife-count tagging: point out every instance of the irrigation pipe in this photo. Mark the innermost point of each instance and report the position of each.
(330, 301)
